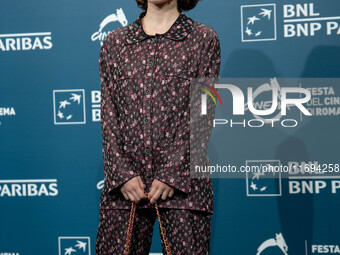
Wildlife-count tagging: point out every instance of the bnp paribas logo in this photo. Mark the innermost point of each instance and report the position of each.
(69, 106)
(265, 180)
(258, 22)
(73, 245)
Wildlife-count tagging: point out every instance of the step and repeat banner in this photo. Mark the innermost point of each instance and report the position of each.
(277, 111)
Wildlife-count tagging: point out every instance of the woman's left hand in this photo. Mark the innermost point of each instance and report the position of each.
(159, 189)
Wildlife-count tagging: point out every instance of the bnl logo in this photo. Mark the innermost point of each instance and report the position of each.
(69, 245)
(258, 22)
(69, 106)
(264, 180)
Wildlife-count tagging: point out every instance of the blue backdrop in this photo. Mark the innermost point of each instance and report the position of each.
(51, 169)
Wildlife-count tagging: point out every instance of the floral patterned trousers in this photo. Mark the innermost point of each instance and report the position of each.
(188, 231)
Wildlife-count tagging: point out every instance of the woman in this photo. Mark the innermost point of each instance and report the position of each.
(146, 69)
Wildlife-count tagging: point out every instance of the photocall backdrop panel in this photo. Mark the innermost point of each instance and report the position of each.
(51, 165)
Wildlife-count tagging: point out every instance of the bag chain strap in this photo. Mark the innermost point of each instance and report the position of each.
(130, 227)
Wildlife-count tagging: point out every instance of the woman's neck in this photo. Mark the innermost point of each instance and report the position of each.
(158, 19)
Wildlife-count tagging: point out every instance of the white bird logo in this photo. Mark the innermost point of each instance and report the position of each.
(257, 175)
(265, 12)
(63, 104)
(253, 186)
(248, 31)
(60, 114)
(75, 97)
(81, 245)
(69, 251)
(251, 20)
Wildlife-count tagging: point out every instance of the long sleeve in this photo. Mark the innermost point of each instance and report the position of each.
(175, 168)
(117, 168)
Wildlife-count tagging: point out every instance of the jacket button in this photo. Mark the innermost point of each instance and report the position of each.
(146, 120)
(148, 151)
(147, 91)
(150, 63)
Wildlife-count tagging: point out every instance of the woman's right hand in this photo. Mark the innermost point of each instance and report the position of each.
(133, 189)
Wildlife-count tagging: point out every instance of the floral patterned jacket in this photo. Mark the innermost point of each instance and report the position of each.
(145, 113)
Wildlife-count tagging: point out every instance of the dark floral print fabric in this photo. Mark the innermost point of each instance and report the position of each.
(188, 231)
(145, 114)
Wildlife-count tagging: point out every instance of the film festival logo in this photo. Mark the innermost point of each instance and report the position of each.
(102, 32)
(69, 245)
(278, 241)
(69, 106)
(263, 88)
(258, 22)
